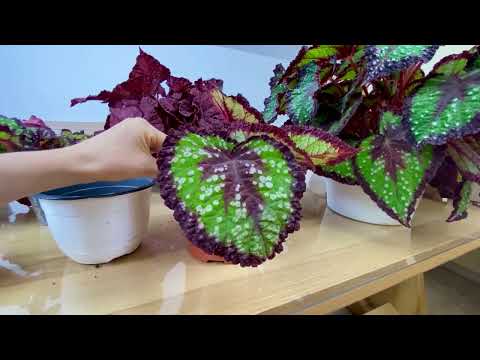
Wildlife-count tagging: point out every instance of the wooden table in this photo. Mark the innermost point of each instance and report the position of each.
(332, 262)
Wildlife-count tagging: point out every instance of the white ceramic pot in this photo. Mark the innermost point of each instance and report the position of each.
(96, 223)
(352, 202)
(315, 183)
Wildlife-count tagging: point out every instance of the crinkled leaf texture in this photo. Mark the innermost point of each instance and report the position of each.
(215, 108)
(461, 201)
(277, 90)
(447, 105)
(301, 102)
(136, 97)
(238, 200)
(383, 60)
(394, 173)
(201, 103)
(33, 134)
(311, 89)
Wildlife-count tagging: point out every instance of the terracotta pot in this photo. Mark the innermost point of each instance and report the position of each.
(201, 255)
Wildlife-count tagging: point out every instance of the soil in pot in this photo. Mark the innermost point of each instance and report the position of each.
(201, 255)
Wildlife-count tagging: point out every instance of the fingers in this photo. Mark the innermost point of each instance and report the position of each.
(155, 139)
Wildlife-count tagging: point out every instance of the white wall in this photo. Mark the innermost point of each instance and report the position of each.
(41, 80)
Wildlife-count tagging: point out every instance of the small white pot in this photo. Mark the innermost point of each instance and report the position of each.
(96, 223)
(352, 202)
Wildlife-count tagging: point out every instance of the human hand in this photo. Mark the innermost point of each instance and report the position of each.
(122, 152)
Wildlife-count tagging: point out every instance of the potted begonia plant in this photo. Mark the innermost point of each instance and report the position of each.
(410, 129)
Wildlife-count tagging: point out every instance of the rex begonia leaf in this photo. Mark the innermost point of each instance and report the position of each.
(216, 108)
(461, 201)
(34, 121)
(382, 60)
(68, 137)
(394, 173)
(450, 65)
(36, 135)
(144, 80)
(321, 54)
(301, 104)
(341, 172)
(242, 131)
(324, 53)
(10, 131)
(321, 147)
(277, 89)
(137, 96)
(466, 155)
(447, 178)
(235, 200)
(445, 107)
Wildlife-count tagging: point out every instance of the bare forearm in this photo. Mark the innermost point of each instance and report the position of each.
(26, 173)
(122, 152)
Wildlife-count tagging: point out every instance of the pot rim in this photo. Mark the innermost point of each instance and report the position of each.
(99, 189)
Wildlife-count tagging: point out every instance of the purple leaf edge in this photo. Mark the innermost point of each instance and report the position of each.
(472, 128)
(188, 222)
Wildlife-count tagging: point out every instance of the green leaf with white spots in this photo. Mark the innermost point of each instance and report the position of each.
(383, 60)
(445, 107)
(393, 173)
(389, 120)
(233, 199)
(461, 201)
(301, 102)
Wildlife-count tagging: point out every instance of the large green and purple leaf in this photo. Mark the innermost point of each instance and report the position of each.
(321, 147)
(235, 200)
(445, 107)
(466, 155)
(461, 201)
(383, 60)
(301, 103)
(394, 173)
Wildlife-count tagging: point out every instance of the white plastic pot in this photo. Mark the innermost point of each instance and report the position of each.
(96, 223)
(351, 202)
